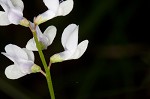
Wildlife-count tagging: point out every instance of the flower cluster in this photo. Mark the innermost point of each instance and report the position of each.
(23, 58)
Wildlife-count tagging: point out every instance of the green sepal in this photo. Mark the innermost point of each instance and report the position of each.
(35, 68)
(56, 58)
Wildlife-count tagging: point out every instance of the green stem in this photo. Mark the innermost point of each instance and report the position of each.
(47, 70)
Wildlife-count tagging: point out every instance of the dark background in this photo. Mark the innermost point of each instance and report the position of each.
(116, 64)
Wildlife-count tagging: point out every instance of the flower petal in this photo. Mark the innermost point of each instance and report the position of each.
(80, 49)
(30, 54)
(52, 4)
(50, 33)
(65, 7)
(16, 52)
(18, 4)
(4, 19)
(65, 55)
(42, 38)
(39, 33)
(8, 56)
(70, 37)
(15, 16)
(25, 65)
(31, 45)
(47, 15)
(6, 5)
(12, 72)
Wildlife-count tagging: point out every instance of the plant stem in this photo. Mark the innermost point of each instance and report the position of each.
(47, 70)
(42, 72)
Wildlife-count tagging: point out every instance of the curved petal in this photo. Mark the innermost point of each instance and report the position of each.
(4, 19)
(18, 4)
(42, 38)
(47, 15)
(25, 65)
(80, 49)
(52, 4)
(8, 56)
(31, 45)
(12, 72)
(6, 5)
(50, 33)
(70, 37)
(16, 52)
(65, 55)
(65, 7)
(15, 16)
(30, 54)
(39, 33)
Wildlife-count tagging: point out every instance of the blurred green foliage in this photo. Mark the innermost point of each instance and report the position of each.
(116, 64)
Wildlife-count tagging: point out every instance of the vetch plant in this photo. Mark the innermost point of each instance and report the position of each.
(23, 58)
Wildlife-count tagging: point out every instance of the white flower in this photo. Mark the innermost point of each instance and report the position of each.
(23, 61)
(55, 8)
(69, 40)
(45, 39)
(13, 12)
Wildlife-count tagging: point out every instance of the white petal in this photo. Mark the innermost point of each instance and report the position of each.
(4, 4)
(70, 37)
(65, 55)
(12, 72)
(65, 7)
(39, 33)
(47, 15)
(30, 54)
(52, 4)
(42, 38)
(16, 52)
(50, 33)
(31, 45)
(25, 65)
(18, 4)
(8, 56)
(15, 16)
(80, 49)
(4, 19)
